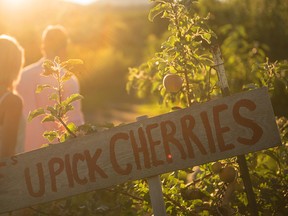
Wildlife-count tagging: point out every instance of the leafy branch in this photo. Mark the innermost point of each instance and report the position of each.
(61, 72)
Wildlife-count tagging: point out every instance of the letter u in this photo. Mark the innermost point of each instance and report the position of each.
(28, 181)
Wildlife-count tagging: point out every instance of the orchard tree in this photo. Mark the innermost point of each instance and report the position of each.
(213, 189)
(184, 53)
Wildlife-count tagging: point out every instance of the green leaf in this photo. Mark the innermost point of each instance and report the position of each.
(48, 67)
(63, 137)
(273, 155)
(50, 135)
(65, 108)
(157, 10)
(72, 127)
(54, 96)
(66, 76)
(35, 113)
(72, 98)
(206, 36)
(52, 110)
(68, 108)
(69, 64)
(48, 63)
(48, 118)
(40, 88)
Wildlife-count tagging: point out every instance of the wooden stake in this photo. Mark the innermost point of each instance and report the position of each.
(241, 160)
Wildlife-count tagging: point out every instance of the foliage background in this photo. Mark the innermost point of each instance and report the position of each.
(110, 39)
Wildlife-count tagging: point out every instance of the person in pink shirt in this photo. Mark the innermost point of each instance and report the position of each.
(54, 43)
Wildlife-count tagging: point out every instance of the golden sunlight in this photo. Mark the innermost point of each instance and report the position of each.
(13, 3)
(82, 2)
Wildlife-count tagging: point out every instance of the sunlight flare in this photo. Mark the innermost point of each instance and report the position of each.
(82, 2)
(13, 3)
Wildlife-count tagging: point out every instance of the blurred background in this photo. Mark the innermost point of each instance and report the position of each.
(112, 35)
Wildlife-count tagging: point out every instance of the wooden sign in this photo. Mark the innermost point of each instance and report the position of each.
(218, 129)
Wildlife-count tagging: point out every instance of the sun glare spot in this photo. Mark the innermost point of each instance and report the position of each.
(13, 3)
(82, 2)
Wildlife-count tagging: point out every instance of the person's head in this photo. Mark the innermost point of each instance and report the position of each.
(11, 61)
(54, 41)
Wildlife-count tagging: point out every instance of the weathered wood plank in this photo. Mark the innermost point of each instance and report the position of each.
(215, 130)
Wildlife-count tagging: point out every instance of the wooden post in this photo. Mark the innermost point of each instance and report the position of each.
(155, 189)
(241, 160)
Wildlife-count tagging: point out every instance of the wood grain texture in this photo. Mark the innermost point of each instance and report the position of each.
(173, 141)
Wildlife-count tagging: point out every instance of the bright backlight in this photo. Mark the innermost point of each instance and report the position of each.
(13, 3)
(83, 2)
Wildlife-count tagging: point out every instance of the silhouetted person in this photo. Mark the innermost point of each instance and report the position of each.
(54, 43)
(12, 122)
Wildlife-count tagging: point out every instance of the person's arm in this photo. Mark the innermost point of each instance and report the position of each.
(12, 115)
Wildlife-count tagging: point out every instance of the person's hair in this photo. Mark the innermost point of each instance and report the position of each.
(54, 40)
(11, 61)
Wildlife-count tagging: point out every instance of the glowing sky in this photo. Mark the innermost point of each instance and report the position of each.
(83, 2)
